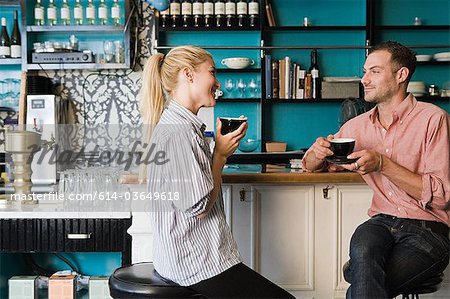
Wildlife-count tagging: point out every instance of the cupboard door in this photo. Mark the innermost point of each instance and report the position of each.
(285, 235)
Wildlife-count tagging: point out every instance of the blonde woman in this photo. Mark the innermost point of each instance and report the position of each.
(193, 245)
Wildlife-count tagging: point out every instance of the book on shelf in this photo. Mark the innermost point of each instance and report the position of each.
(287, 71)
(291, 80)
(300, 85)
(308, 84)
(269, 14)
(275, 79)
(282, 78)
(268, 73)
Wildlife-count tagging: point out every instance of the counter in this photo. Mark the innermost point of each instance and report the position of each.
(279, 176)
(292, 177)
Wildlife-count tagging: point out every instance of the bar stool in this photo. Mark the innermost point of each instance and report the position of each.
(431, 285)
(142, 281)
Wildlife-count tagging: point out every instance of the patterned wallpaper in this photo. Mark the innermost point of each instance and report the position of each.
(105, 102)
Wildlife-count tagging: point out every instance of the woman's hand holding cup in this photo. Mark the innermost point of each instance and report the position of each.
(227, 144)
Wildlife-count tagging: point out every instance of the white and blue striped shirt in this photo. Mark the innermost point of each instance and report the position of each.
(187, 249)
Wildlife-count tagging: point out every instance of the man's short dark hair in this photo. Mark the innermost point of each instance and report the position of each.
(401, 56)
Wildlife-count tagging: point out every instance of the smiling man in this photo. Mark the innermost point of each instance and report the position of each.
(402, 152)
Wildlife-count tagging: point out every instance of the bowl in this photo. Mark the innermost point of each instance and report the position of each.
(248, 145)
(424, 57)
(237, 62)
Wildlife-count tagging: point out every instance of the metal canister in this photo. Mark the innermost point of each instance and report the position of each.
(433, 90)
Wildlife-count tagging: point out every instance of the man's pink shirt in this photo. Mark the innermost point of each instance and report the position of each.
(417, 139)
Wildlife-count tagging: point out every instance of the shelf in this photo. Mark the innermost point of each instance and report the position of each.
(74, 28)
(264, 157)
(78, 66)
(435, 98)
(246, 70)
(10, 61)
(280, 101)
(237, 100)
(433, 62)
(313, 28)
(175, 29)
(9, 3)
(412, 27)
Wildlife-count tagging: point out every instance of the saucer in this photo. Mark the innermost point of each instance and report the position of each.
(336, 160)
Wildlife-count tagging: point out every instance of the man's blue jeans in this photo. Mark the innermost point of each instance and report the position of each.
(390, 255)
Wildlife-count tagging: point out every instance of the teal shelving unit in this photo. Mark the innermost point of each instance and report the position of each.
(341, 31)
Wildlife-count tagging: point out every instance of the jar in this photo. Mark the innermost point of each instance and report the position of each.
(433, 90)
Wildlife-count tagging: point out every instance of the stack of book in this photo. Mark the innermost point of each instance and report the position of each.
(286, 79)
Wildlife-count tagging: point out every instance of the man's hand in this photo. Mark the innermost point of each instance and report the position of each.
(368, 161)
(321, 148)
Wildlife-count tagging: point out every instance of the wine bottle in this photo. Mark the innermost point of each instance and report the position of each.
(65, 13)
(78, 13)
(115, 12)
(197, 11)
(208, 13)
(219, 13)
(16, 49)
(230, 12)
(164, 18)
(242, 13)
(314, 63)
(102, 13)
(5, 45)
(186, 13)
(175, 13)
(90, 13)
(51, 13)
(316, 85)
(39, 13)
(253, 11)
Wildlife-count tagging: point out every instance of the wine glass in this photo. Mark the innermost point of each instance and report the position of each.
(108, 47)
(229, 85)
(253, 88)
(240, 84)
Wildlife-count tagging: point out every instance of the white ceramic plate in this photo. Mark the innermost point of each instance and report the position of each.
(441, 55)
(443, 59)
(424, 57)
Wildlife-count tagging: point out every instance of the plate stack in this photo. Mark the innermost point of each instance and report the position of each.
(417, 88)
(443, 56)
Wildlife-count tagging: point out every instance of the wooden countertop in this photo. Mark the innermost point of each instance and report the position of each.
(303, 177)
(278, 178)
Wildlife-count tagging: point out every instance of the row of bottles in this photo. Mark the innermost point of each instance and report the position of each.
(210, 13)
(79, 14)
(10, 47)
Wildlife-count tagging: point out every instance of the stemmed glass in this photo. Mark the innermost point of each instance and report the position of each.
(253, 88)
(229, 85)
(240, 84)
